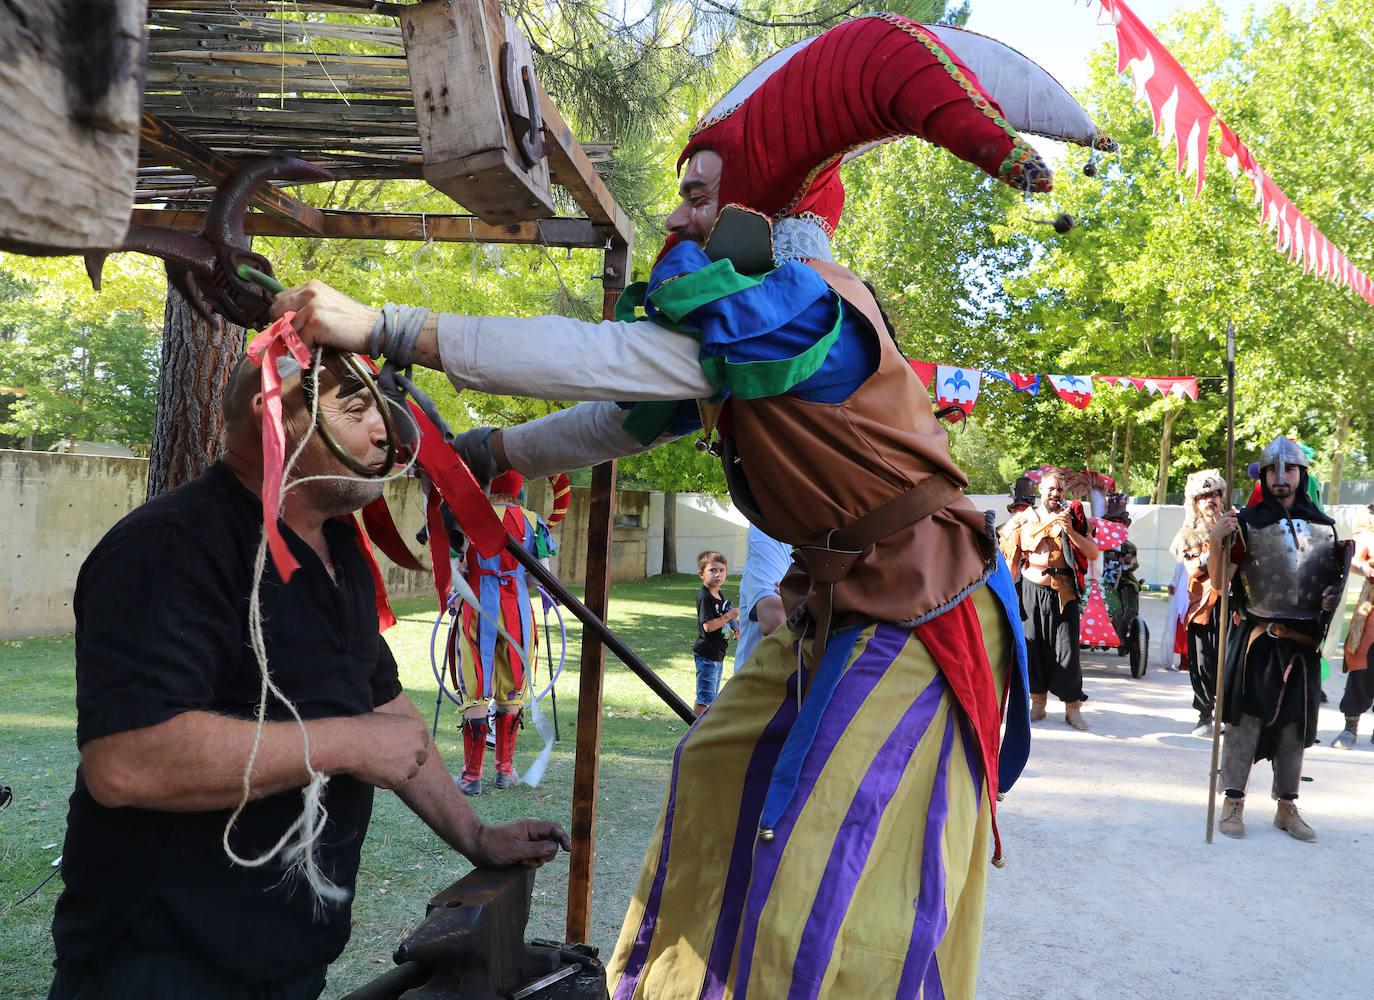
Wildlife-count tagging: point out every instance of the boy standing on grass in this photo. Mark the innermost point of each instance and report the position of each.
(713, 615)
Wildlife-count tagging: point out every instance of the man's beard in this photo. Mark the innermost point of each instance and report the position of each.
(1053, 506)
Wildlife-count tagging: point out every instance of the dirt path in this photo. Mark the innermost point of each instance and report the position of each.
(1110, 890)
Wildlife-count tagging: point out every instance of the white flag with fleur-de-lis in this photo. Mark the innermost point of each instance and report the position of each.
(957, 386)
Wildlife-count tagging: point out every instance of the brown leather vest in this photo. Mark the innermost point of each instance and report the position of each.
(802, 469)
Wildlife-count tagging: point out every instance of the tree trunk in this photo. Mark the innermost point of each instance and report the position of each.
(1126, 456)
(1333, 488)
(669, 533)
(1111, 461)
(197, 360)
(1162, 483)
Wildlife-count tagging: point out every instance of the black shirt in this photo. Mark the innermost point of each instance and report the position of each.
(162, 628)
(710, 645)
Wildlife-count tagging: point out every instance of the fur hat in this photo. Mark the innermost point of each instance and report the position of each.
(1203, 481)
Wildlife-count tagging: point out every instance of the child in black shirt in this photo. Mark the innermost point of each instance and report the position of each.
(714, 613)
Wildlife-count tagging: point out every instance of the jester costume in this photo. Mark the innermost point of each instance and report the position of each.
(491, 668)
(829, 821)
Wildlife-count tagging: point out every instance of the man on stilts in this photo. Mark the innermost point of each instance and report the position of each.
(1287, 566)
(828, 824)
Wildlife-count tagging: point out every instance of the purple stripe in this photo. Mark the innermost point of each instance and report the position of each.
(859, 829)
(973, 760)
(854, 687)
(751, 804)
(756, 780)
(634, 965)
(931, 919)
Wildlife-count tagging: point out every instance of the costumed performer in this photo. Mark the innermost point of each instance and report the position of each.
(1203, 497)
(1048, 548)
(1359, 680)
(1287, 563)
(829, 823)
(491, 668)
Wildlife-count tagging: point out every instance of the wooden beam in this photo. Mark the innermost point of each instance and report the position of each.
(168, 146)
(570, 167)
(342, 225)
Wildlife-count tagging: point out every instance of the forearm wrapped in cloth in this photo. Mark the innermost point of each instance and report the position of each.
(554, 357)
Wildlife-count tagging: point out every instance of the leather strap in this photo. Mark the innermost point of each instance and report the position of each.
(829, 562)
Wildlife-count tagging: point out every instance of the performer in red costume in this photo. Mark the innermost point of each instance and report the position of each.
(828, 825)
(493, 669)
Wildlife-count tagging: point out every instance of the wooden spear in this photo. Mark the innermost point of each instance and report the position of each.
(1224, 605)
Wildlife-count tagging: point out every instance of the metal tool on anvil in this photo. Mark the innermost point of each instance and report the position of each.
(471, 946)
(204, 266)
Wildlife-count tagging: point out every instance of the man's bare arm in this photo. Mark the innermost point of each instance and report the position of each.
(195, 761)
(433, 796)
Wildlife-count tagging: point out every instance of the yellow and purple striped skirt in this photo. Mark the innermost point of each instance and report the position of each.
(870, 881)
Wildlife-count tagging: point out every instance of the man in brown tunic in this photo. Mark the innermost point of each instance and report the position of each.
(1038, 545)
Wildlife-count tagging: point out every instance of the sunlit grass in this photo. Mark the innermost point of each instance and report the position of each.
(403, 863)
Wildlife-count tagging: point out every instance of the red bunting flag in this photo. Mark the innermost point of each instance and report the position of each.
(1183, 115)
(923, 371)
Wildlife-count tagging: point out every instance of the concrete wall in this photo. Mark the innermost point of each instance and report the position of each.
(57, 507)
(629, 537)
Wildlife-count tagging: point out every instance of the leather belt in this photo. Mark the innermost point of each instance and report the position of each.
(1280, 631)
(830, 562)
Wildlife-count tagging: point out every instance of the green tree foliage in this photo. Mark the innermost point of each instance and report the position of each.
(77, 374)
(1148, 280)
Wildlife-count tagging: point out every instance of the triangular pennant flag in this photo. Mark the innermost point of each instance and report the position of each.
(923, 371)
(957, 386)
(1111, 380)
(1025, 383)
(1076, 390)
(1183, 386)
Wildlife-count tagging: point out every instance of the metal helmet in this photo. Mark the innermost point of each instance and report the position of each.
(1280, 453)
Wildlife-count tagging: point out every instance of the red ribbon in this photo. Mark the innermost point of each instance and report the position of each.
(270, 345)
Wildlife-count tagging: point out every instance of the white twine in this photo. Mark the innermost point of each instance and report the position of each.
(297, 846)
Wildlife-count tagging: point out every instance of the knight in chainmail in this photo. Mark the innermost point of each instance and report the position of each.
(1284, 566)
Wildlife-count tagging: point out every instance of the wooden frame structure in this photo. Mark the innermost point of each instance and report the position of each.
(384, 92)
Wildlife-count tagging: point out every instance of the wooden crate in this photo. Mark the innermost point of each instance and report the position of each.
(453, 49)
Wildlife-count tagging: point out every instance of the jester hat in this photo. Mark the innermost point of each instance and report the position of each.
(787, 127)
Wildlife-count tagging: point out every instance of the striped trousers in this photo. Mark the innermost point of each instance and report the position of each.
(870, 882)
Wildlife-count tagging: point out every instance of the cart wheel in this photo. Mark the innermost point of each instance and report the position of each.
(1140, 647)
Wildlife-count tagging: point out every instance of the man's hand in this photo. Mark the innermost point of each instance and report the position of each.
(528, 842)
(1330, 597)
(327, 316)
(387, 748)
(1226, 526)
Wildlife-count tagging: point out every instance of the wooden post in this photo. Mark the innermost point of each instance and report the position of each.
(586, 769)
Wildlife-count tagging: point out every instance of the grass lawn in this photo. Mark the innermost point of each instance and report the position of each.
(403, 863)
